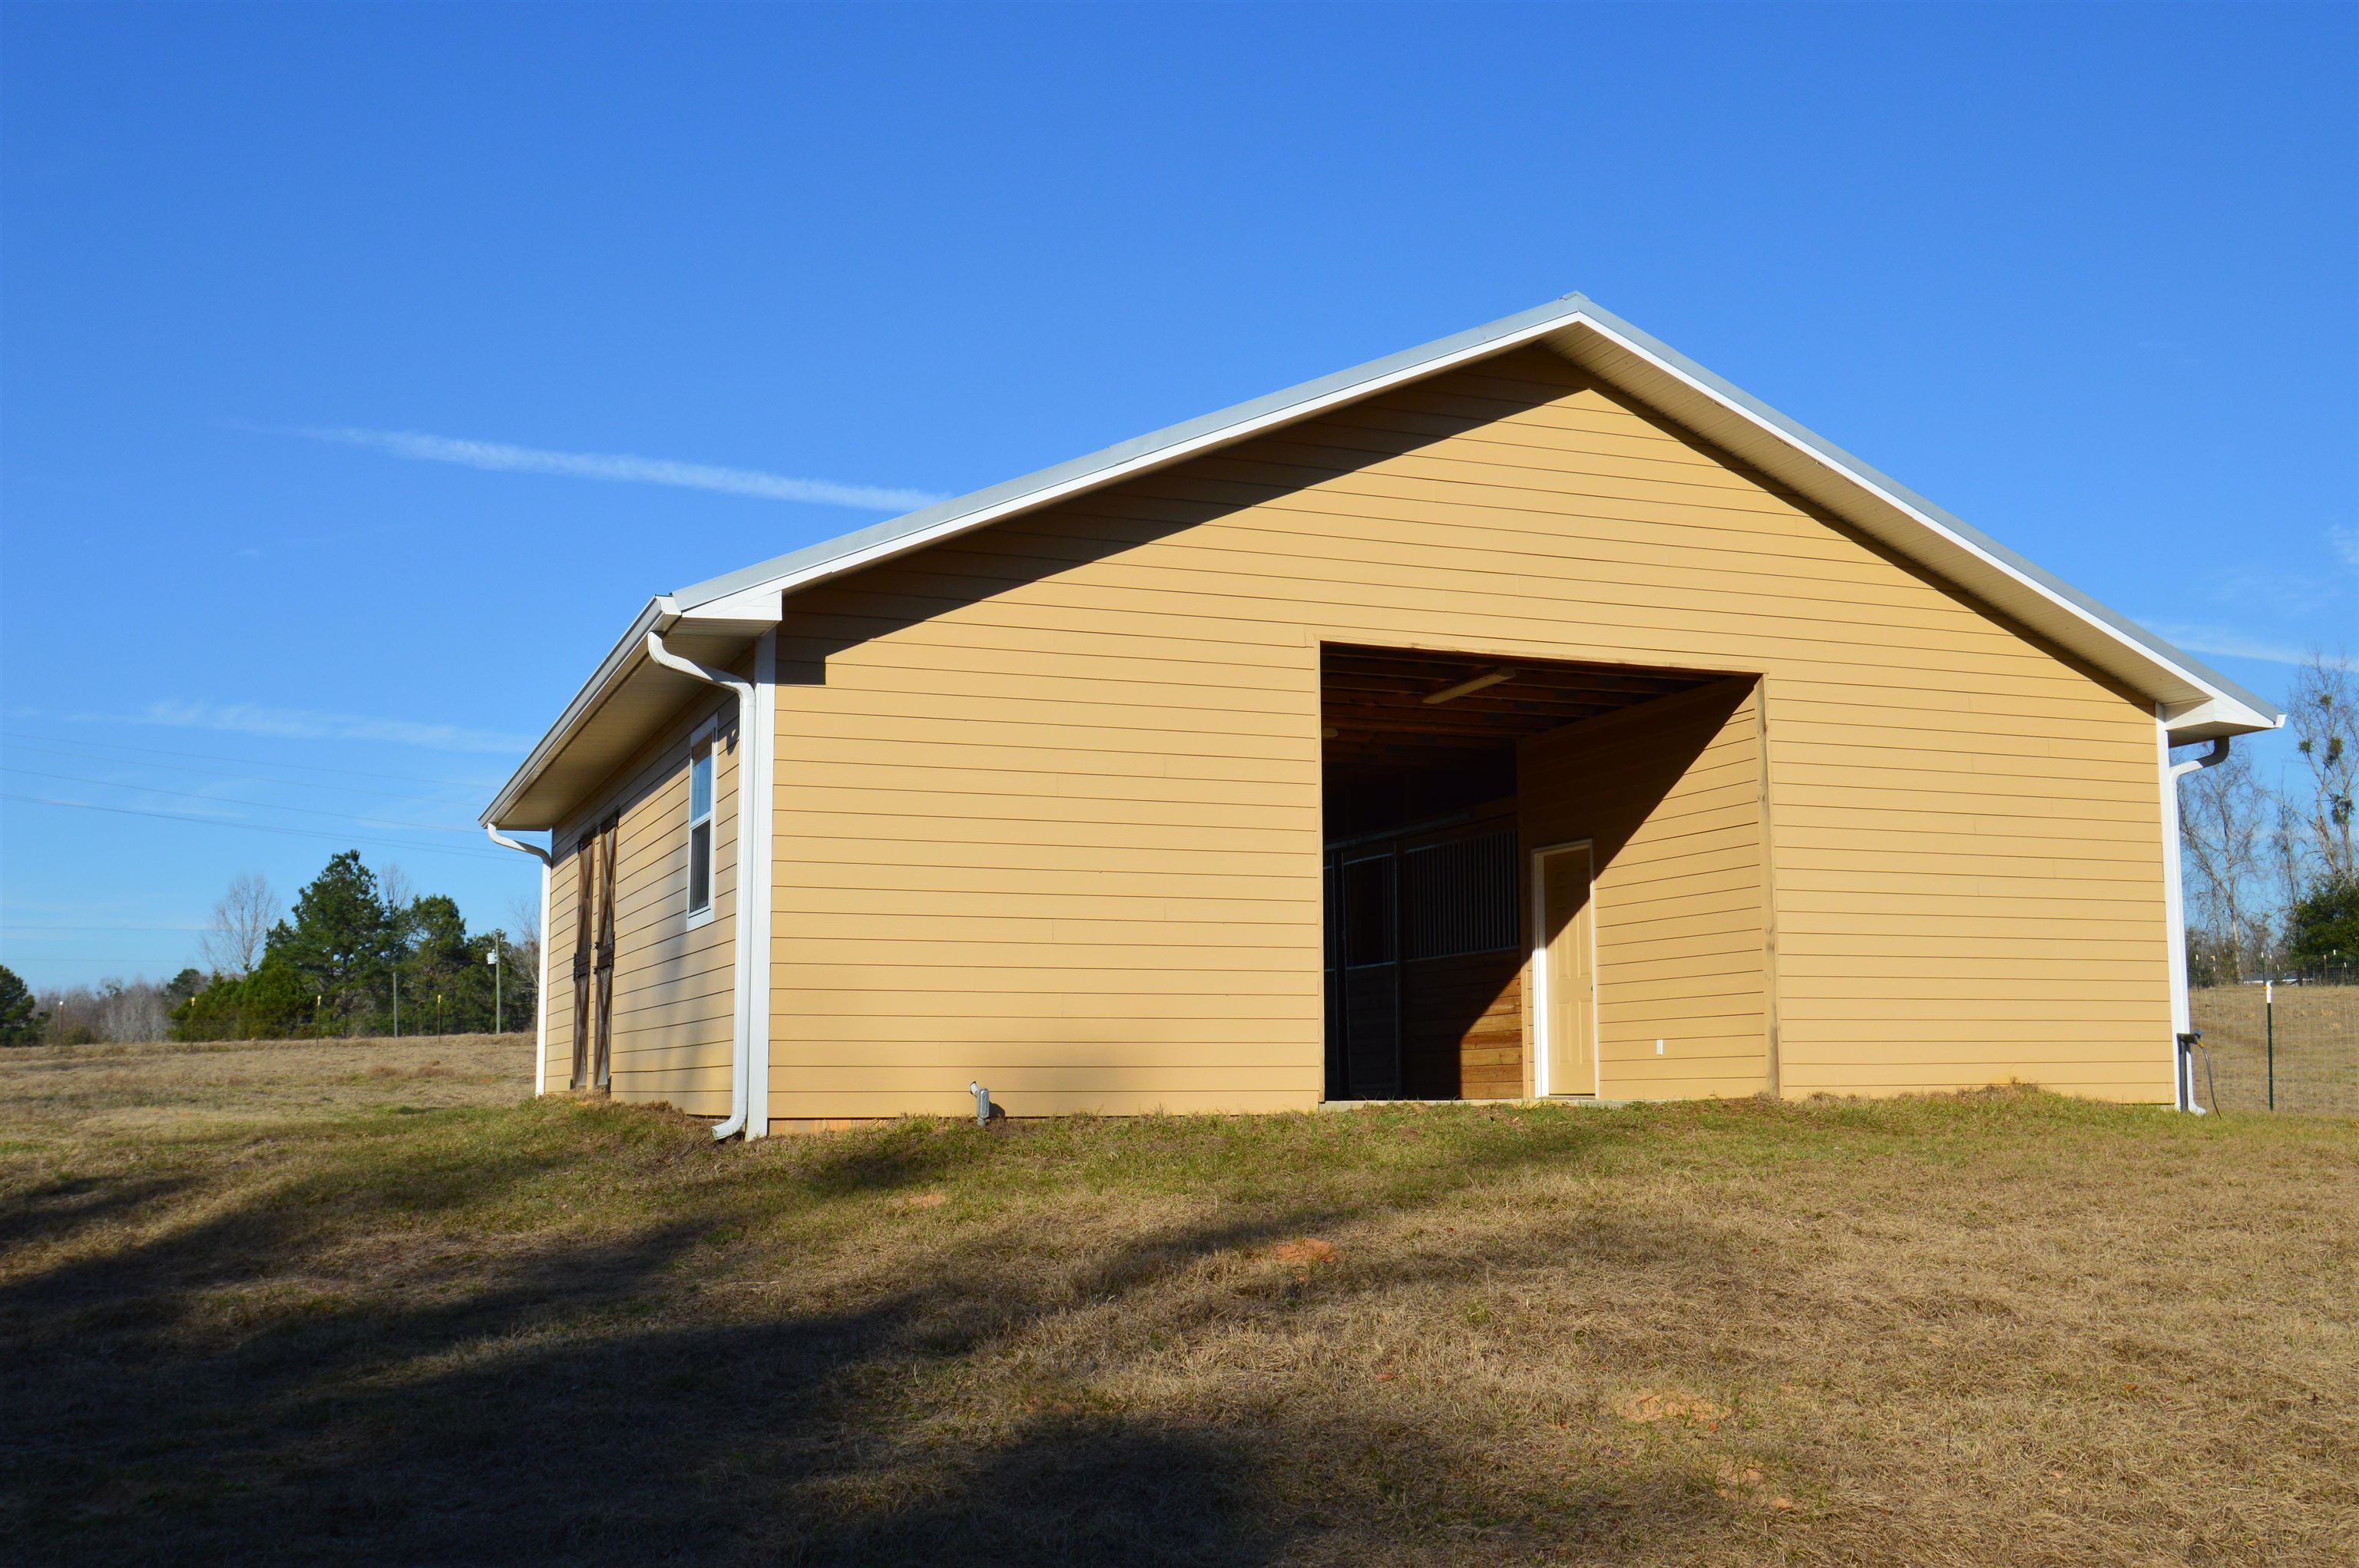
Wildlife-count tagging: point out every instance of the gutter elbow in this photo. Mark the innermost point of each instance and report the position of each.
(2211, 758)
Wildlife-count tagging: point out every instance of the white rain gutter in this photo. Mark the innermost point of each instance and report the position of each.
(541, 981)
(749, 1091)
(2182, 1023)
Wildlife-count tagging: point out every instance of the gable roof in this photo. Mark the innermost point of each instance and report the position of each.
(2198, 701)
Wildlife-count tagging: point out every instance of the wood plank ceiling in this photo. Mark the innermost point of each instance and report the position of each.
(1376, 717)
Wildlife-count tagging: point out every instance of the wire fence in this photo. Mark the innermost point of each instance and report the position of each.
(2291, 1044)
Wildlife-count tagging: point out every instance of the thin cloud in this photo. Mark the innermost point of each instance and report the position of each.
(2345, 542)
(303, 724)
(623, 468)
(2231, 644)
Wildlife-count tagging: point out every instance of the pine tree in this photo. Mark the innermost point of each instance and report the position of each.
(342, 940)
(21, 1020)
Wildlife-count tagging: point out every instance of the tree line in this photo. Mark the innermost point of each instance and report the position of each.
(358, 954)
(2272, 879)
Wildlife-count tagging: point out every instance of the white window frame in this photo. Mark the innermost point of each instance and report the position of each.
(706, 740)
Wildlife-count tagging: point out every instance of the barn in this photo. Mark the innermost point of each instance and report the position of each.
(1532, 713)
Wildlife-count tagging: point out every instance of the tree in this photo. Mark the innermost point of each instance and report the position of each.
(2323, 713)
(342, 941)
(2323, 929)
(523, 919)
(443, 961)
(271, 1003)
(2223, 825)
(241, 926)
(20, 1020)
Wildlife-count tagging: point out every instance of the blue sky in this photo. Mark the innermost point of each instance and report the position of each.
(290, 297)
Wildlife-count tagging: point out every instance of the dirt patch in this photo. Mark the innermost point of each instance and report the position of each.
(1646, 1406)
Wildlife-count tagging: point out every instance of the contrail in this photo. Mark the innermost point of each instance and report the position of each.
(625, 469)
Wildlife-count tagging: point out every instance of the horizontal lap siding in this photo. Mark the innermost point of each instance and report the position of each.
(1051, 818)
(673, 983)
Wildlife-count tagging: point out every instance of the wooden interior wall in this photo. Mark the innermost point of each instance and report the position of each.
(1466, 1011)
(1669, 796)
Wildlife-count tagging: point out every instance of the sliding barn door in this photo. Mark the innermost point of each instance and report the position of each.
(585, 948)
(593, 956)
(601, 1061)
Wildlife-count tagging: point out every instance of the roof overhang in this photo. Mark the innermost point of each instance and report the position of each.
(625, 704)
(2196, 702)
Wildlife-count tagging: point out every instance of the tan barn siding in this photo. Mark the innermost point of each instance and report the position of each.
(673, 983)
(1052, 817)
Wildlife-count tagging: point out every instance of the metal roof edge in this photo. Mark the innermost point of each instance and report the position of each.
(579, 712)
(1238, 420)
(1868, 474)
(1270, 407)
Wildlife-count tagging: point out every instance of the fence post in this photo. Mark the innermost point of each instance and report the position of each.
(2269, 1024)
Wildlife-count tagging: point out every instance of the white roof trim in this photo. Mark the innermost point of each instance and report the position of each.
(2205, 703)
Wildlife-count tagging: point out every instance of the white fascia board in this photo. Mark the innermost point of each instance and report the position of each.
(749, 614)
(2203, 702)
(2223, 707)
(758, 609)
(1936, 538)
(1127, 459)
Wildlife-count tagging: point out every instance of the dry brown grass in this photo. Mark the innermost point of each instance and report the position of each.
(171, 1090)
(341, 1323)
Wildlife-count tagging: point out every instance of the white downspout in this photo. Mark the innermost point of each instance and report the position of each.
(541, 981)
(749, 1033)
(2175, 904)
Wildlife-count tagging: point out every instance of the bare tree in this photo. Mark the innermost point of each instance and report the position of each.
(393, 885)
(2323, 713)
(2287, 868)
(2224, 820)
(523, 929)
(241, 926)
(112, 1011)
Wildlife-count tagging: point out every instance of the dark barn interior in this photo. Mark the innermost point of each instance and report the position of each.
(1425, 872)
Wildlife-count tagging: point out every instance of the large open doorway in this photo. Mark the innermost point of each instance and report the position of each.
(1429, 883)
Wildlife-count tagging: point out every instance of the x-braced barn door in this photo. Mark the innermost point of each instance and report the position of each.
(593, 956)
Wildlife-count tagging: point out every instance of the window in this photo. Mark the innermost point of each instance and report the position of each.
(700, 829)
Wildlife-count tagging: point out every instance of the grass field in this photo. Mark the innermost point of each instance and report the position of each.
(357, 1304)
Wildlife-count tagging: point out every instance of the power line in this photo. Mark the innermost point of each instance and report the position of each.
(6, 926)
(85, 754)
(256, 827)
(216, 757)
(227, 801)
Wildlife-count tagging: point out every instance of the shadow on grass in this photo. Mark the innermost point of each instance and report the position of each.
(227, 1390)
(55, 1210)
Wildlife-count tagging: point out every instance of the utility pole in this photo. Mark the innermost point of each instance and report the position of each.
(397, 1004)
(499, 940)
